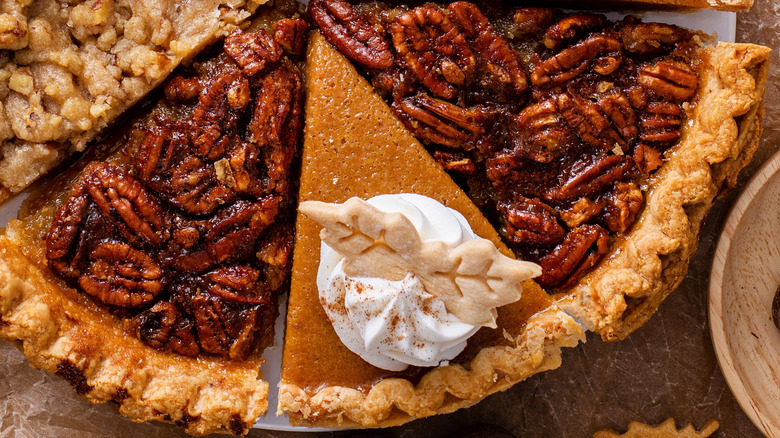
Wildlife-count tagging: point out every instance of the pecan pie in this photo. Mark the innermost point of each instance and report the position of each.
(596, 149)
(150, 276)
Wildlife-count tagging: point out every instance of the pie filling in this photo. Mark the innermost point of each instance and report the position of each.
(185, 234)
(551, 122)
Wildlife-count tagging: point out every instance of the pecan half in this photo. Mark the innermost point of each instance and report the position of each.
(440, 122)
(65, 246)
(623, 204)
(503, 73)
(275, 126)
(617, 107)
(599, 50)
(530, 222)
(570, 28)
(122, 276)
(434, 49)
(539, 132)
(669, 79)
(253, 51)
(651, 38)
(593, 178)
(238, 284)
(352, 34)
(156, 325)
(160, 150)
(290, 34)
(223, 330)
(218, 110)
(660, 124)
(119, 195)
(580, 250)
(589, 122)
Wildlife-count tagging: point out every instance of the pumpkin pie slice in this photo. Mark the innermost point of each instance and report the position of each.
(355, 147)
(148, 273)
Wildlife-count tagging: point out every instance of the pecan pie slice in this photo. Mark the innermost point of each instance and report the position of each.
(596, 148)
(149, 272)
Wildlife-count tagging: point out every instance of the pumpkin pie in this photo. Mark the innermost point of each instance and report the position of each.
(356, 147)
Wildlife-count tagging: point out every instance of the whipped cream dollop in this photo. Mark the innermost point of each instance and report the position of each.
(394, 324)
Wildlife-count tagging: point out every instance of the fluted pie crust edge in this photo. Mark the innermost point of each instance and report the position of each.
(719, 138)
(442, 390)
(63, 332)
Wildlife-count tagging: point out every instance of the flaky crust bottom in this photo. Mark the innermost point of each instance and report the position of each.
(62, 332)
(443, 389)
(721, 134)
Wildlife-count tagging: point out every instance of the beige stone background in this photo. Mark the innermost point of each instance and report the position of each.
(665, 369)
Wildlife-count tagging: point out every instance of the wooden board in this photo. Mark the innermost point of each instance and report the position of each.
(745, 275)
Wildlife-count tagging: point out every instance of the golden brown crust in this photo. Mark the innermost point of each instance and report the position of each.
(667, 429)
(62, 332)
(718, 140)
(444, 389)
(76, 67)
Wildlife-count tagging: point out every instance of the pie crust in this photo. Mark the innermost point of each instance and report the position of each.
(354, 146)
(719, 139)
(75, 68)
(63, 332)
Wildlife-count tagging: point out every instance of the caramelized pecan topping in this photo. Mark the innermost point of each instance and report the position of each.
(435, 49)
(189, 238)
(438, 121)
(351, 33)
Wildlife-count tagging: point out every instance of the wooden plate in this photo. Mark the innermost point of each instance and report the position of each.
(745, 275)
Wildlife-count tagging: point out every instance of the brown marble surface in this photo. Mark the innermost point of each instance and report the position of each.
(665, 369)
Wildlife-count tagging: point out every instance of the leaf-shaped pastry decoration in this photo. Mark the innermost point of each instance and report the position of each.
(472, 279)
